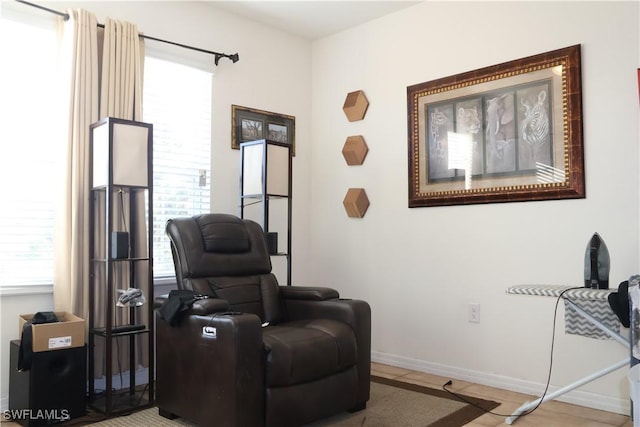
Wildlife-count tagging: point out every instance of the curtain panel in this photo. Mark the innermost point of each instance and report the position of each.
(105, 80)
(79, 49)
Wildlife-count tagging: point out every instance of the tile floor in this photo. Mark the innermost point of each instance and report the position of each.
(549, 414)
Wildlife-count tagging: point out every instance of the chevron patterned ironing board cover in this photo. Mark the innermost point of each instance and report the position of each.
(593, 301)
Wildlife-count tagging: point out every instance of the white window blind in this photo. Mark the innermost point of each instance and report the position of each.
(28, 107)
(177, 101)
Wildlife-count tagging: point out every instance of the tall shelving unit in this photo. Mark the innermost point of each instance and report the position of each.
(121, 340)
(265, 191)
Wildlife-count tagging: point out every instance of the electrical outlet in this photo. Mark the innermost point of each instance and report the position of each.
(474, 312)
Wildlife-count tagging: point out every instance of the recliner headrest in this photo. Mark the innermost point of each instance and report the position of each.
(223, 234)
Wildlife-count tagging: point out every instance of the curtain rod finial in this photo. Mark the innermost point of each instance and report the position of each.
(235, 58)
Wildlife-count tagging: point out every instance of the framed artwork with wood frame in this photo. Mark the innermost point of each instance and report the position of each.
(250, 124)
(504, 133)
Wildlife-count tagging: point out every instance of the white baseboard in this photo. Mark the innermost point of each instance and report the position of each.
(576, 397)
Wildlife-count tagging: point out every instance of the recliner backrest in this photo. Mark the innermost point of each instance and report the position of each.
(224, 256)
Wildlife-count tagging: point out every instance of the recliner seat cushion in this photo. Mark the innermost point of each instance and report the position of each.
(305, 350)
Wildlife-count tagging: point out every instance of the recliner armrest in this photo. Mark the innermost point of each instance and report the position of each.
(209, 306)
(355, 313)
(311, 293)
(228, 354)
(200, 307)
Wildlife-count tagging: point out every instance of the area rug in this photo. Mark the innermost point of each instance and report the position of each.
(392, 404)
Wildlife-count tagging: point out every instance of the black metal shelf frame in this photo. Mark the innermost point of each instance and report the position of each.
(107, 274)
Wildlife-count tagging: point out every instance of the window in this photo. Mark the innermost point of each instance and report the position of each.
(27, 117)
(177, 101)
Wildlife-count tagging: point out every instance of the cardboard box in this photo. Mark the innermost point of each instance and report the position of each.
(66, 333)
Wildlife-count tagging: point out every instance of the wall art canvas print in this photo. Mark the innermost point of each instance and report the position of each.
(509, 132)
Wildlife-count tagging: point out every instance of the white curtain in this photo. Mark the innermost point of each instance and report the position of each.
(121, 97)
(122, 66)
(71, 273)
(105, 80)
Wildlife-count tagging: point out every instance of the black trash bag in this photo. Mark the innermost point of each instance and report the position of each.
(619, 302)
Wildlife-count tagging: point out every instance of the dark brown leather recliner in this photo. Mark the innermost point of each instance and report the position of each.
(256, 353)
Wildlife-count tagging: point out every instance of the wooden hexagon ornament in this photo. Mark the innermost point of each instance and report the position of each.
(355, 106)
(355, 150)
(356, 202)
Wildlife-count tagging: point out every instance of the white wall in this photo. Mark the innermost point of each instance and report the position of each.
(420, 268)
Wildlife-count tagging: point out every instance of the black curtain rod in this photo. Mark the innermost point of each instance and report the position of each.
(233, 57)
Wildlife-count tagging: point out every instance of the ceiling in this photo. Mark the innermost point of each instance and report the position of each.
(312, 19)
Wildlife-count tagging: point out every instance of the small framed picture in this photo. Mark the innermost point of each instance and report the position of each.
(250, 124)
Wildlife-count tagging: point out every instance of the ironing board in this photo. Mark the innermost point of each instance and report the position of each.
(590, 306)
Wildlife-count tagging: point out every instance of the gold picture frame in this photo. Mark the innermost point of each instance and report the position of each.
(504, 133)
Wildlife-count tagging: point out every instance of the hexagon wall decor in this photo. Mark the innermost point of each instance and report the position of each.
(355, 106)
(356, 202)
(355, 150)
